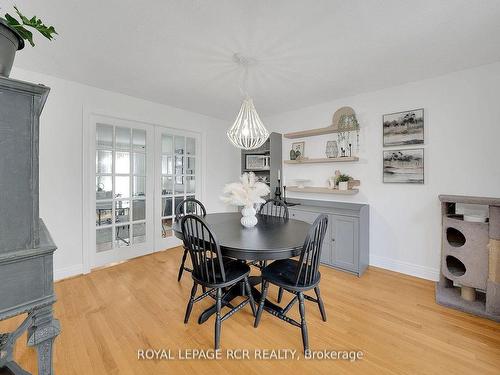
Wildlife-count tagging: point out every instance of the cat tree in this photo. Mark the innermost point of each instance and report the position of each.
(470, 258)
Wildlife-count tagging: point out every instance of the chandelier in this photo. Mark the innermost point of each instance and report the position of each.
(248, 132)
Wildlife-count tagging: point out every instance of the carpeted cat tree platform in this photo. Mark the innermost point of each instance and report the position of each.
(470, 259)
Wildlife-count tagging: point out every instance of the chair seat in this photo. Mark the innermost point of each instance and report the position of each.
(283, 273)
(234, 271)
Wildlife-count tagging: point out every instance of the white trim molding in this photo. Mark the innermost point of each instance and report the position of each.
(63, 273)
(411, 269)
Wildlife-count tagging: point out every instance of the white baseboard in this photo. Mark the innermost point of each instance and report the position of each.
(405, 267)
(377, 261)
(62, 273)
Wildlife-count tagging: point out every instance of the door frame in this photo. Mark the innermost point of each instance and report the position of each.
(88, 179)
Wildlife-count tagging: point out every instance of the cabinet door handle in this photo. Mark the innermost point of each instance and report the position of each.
(333, 239)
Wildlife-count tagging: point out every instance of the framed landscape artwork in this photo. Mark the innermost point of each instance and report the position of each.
(404, 166)
(404, 128)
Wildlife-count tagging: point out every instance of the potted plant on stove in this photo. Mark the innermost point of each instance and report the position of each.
(13, 32)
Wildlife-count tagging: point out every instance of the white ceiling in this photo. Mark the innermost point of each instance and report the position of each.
(180, 52)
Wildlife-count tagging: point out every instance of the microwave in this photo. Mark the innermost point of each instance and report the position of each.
(257, 162)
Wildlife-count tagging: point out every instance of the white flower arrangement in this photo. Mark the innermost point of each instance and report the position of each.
(245, 193)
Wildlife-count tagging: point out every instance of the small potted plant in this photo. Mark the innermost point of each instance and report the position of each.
(13, 33)
(343, 181)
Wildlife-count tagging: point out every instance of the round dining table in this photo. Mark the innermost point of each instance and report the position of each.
(272, 238)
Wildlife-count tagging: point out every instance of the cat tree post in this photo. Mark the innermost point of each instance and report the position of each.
(468, 293)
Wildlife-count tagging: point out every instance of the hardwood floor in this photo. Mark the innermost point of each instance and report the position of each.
(108, 315)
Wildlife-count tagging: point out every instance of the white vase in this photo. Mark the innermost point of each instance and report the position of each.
(248, 218)
(343, 185)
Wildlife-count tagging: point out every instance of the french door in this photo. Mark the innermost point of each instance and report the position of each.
(178, 171)
(141, 173)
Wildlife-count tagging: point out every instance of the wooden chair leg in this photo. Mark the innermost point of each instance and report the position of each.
(303, 325)
(261, 304)
(218, 318)
(280, 295)
(250, 296)
(181, 269)
(320, 303)
(190, 303)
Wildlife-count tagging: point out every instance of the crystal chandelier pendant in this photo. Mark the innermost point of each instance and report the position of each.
(248, 132)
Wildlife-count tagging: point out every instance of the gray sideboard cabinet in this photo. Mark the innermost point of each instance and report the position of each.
(346, 244)
(26, 248)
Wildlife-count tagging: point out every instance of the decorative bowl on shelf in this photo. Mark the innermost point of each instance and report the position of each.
(301, 182)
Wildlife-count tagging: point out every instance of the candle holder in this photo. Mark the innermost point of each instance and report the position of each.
(277, 192)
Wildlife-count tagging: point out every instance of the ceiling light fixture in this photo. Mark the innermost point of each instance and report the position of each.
(248, 132)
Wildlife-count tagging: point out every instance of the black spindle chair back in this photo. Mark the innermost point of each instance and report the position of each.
(308, 266)
(306, 277)
(274, 207)
(210, 271)
(190, 206)
(204, 249)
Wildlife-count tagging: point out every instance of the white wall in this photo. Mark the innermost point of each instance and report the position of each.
(61, 162)
(462, 156)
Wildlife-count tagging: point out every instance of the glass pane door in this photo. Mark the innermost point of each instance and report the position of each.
(178, 179)
(123, 193)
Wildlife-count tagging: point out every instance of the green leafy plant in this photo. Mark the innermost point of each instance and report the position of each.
(343, 178)
(33, 22)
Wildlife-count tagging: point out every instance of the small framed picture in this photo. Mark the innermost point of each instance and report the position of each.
(299, 146)
(257, 162)
(404, 166)
(404, 128)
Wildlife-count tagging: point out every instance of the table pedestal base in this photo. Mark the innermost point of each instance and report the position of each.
(239, 290)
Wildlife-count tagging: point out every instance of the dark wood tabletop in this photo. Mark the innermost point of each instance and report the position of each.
(271, 239)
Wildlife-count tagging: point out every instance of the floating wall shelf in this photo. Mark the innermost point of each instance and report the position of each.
(314, 132)
(321, 190)
(322, 160)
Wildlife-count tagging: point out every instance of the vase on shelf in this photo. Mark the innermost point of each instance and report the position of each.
(331, 183)
(248, 219)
